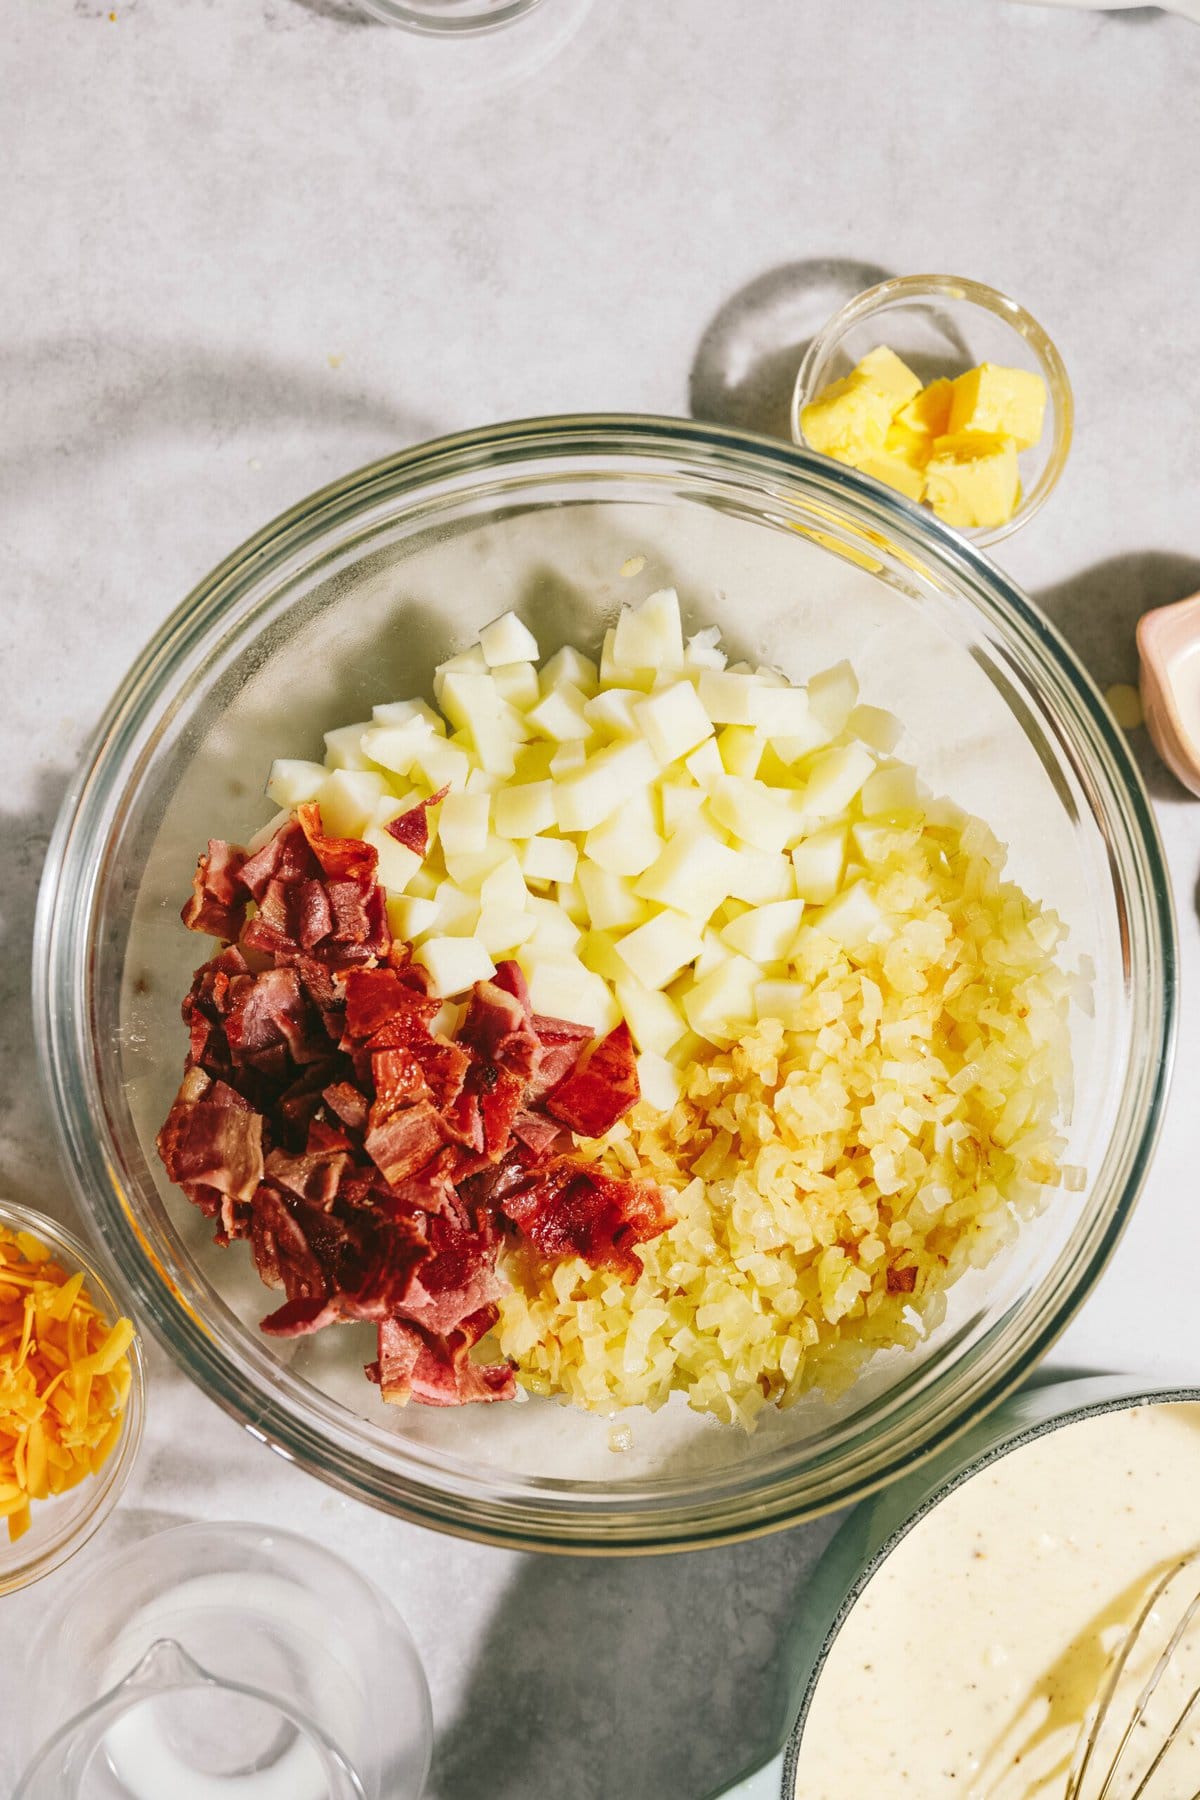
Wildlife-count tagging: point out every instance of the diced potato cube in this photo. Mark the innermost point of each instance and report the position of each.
(502, 928)
(470, 661)
(628, 840)
(657, 950)
(673, 721)
(507, 640)
(784, 712)
(534, 760)
(650, 635)
(549, 859)
(463, 823)
(598, 951)
(517, 682)
(680, 801)
(851, 916)
(585, 797)
(400, 712)
(442, 764)
(876, 844)
(569, 666)
(409, 916)
(694, 873)
(343, 747)
(714, 952)
(891, 792)
(553, 931)
(615, 674)
(561, 715)
(568, 757)
(720, 1006)
(728, 697)
(831, 696)
(740, 748)
(347, 799)
(524, 809)
(293, 781)
(611, 901)
(881, 730)
(760, 878)
(834, 778)
(471, 868)
(611, 714)
(661, 1083)
(454, 963)
(504, 887)
(1011, 402)
(704, 650)
(561, 988)
(786, 1001)
(766, 933)
(654, 1020)
(818, 862)
(396, 747)
(570, 897)
(397, 863)
(705, 764)
(753, 813)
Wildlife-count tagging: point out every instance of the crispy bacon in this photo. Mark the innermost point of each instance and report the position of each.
(438, 1370)
(573, 1208)
(411, 828)
(601, 1088)
(218, 902)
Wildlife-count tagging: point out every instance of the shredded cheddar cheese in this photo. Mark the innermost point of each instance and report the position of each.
(64, 1378)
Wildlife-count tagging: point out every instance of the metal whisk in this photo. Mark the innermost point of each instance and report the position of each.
(1141, 1741)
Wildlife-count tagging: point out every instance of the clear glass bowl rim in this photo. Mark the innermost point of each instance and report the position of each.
(104, 1489)
(904, 289)
(413, 18)
(543, 1516)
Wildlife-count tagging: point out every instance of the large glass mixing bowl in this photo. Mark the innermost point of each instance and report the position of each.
(351, 598)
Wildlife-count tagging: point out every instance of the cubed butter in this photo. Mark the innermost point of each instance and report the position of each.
(895, 471)
(1008, 402)
(972, 479)
(928, 413)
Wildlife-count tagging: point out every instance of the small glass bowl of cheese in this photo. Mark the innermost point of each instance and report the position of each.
(61, 1328)
(1011, 386)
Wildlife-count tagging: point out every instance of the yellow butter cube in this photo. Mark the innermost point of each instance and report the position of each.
(972, 479)
(889, 375)
(913, 446)
(846, 418)
(895, 470)
(929, 411)
(1011, 402)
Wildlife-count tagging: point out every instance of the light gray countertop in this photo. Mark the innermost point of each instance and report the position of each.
(253, 243)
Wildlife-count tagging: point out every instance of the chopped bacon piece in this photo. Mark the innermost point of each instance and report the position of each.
(218, 902)
(342, 859)
(573, 1208)
(562, 1045)
(411, 828)
(459, 1277)
(438, 1370)
(405, 1142)
(377, 998)
(285, 858)
(350, 1105)
(499, 1027)
(601, 1088)
(211, 1136)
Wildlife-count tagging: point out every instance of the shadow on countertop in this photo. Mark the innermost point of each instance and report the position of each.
(1097, 612)
(585, 1723)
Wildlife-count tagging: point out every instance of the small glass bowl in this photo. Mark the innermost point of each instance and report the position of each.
(63, 1524)
(451, 18)
(944, 325)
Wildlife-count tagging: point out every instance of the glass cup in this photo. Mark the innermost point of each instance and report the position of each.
(219, 1661)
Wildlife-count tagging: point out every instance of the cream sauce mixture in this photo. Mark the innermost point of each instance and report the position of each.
(967, 1667)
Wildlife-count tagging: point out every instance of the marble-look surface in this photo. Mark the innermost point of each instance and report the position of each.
(253, 243)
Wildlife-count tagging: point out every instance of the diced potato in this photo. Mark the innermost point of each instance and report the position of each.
(881, 730)
(525, 809)
(720, 1006)
(786, 1001)
(570, 897)
(753, 813)
(650, 635)
(760, 877)
(585, 797)
(570, 667)
(562, 988)
(343, 747)
(534, 760)
(598, 952)
(480, 782)
(396, 747)
(554, 932)
(347, 799)
(680, 801)
(504, 887)
(409, 916)
(876, 844)
(891, 792)
(834, 778)
(611, 901)
(610, 712)
(470, 662)
(549, 859)
(471, 868)
(785, 712)
(628, 841)
(851, 916)
(741, 750)
(507, 640)
(454, 963)
(517, 682)
(832, 695)
(561, 715)
(818, 862)
(673, 721)
(400, 712)
(705, 764)
(714, 951)
(442, 764)
(704, 650)
(463, 823)
(694, 873)
(397, 863)
(657, 950)
(765, 934)
(293, 781)
(502, 928)
(661, 1083)
(728, 698)
(615, 674)
(568, 757)
(654, 1020)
